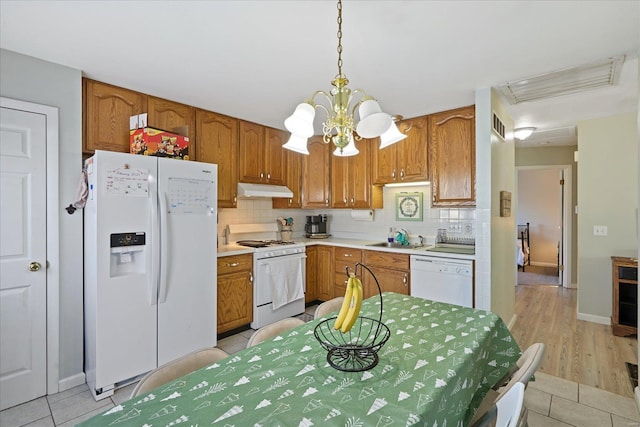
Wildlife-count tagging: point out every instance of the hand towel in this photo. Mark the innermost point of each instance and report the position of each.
(286, 281)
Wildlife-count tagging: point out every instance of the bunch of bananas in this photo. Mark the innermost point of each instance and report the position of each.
(350, 306)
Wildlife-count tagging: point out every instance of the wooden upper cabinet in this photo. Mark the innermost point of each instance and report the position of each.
(315, 174)
(351, 185)
(293, 181)
(406, 160)
(261, 156)
(452, 157)
(174, 117)
(251, 152)
(217, 137)
(106, 112)
(275, 155)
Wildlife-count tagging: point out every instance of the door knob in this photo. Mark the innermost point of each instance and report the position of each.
(34, 266)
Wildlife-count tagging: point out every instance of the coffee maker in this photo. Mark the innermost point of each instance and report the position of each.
(316, 226)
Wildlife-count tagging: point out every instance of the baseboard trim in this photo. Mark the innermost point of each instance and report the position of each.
(594, 319)
(512, 321)
(71, 382)
(543, 264)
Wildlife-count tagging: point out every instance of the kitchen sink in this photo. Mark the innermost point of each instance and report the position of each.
(396, 245)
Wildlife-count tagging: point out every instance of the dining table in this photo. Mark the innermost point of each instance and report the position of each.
(435, 368)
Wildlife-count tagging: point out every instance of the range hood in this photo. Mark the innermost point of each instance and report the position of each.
(263, 190)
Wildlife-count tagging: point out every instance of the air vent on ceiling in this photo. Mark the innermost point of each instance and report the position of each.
(498, 126)
(564, 82)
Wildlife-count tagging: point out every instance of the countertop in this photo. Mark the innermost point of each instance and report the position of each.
(233, 249)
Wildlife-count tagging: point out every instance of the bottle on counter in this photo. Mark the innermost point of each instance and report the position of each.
(391, 235)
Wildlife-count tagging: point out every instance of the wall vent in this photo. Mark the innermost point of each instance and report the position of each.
(498, 126)
(564, 82)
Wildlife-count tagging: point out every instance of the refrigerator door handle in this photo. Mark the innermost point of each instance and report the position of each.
(164, 247)
(155, 250)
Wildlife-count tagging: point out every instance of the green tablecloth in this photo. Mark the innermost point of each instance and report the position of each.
(435, 369)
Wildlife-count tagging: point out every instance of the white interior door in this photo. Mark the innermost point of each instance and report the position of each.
(23, 353)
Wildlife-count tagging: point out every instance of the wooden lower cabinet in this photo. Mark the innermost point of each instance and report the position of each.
(324, 273)
(391, 270)
(344, 257)
(311, 272)
(235, 292)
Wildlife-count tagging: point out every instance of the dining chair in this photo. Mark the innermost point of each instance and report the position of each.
(525, 367)
(505, 412)
(273, 330)
(328, 307)
(177, 368)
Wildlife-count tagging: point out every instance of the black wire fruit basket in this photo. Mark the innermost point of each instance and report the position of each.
(355, 350)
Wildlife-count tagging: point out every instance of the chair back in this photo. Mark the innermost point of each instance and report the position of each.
(177, 368)
(528, 364)
(273, 330)
(510, 406)
(328, 307)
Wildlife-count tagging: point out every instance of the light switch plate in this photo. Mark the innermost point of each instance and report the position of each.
(600, 230)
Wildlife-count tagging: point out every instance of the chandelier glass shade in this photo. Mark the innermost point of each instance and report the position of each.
(340, 126)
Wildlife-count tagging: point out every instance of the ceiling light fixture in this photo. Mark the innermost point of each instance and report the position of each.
(523, 133)
(340, 126)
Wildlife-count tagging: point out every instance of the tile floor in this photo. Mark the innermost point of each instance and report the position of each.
(552, 401)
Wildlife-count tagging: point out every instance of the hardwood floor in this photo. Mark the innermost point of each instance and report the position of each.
(579, 351)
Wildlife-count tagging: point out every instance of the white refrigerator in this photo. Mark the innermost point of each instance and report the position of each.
(150, 243)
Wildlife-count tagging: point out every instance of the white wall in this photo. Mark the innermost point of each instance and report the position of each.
(608, 196)
(495, 235)
(540, 204)
(33, 80)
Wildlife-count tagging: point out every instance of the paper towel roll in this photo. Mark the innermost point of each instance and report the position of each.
(362, 214)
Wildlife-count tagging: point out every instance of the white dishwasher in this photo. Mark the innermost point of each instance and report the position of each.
(447, 280)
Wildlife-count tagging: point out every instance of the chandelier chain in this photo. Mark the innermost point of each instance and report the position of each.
(340, 37)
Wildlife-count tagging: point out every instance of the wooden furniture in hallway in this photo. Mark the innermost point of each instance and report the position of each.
(624, 320)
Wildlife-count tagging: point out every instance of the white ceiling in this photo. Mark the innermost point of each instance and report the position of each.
(257, 60)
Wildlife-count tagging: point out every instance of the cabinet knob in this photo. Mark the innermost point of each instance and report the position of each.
(402, 174)
(290, 201)
(352, 201)
(235, 199)
(393, 174)
(251, 277)
(268, 176)
(326, 202)
(344, 200)
(261, 175)
(404, 279)
(233, 264)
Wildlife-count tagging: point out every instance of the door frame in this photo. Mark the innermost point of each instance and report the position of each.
(53, 236)
(567, 203)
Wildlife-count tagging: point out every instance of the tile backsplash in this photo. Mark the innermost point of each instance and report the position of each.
(459, 222)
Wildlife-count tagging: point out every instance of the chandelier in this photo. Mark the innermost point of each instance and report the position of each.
(340, 126)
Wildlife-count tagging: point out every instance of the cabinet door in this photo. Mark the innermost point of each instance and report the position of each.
(176, 118)
(275, 156)
(389, 280)
(325, 273)
(311, 293)
(452, 157)
(293, 181)
(252, 154)
(315, 174)
(106, 115)
(217, 137)
(385, 163)
(339, 181)
(362, 194)
(235, 301)
(412, 151)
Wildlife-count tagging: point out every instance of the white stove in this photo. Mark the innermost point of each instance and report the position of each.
(278, 271)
